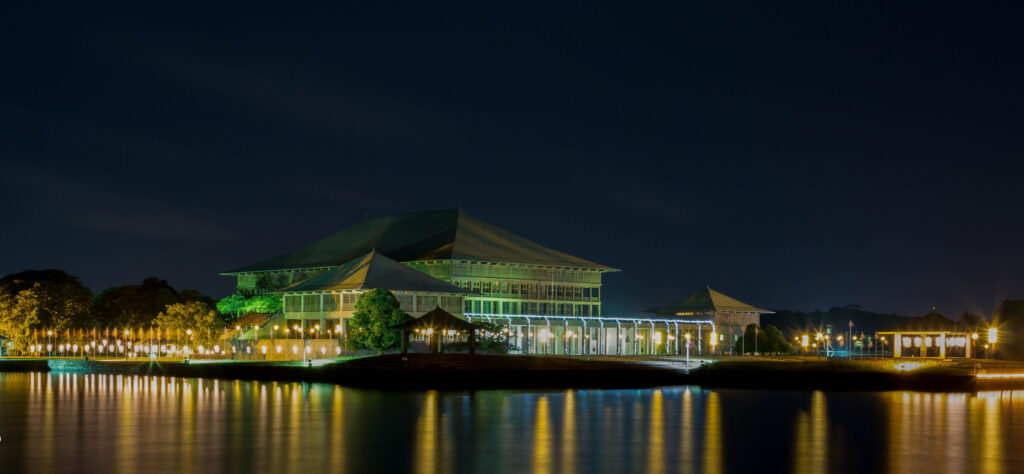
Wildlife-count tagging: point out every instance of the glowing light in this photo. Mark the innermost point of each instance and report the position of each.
(993, 335)
(804, 340)
(917, 341)
(907, 366)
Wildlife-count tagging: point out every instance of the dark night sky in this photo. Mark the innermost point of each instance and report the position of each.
(793, 157)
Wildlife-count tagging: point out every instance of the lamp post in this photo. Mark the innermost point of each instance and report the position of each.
(993, 336)
(49, 343)
(687, 351)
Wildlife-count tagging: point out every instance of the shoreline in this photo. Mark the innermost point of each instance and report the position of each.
(486, 372)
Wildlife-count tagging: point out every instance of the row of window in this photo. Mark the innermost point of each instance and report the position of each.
(543, 309)
(328, 302)
(517, 272)
(509, 289)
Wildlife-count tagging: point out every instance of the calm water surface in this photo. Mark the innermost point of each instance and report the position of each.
(123, 424)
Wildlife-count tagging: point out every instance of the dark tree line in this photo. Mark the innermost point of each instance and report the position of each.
(52, 300)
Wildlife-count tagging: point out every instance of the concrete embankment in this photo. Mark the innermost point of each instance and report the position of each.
(459, 371)
(392, 371)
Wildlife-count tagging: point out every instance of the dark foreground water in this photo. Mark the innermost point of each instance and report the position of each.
(124, 424)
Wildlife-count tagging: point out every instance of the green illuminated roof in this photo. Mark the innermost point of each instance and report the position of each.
(372, 271)
(434, 235)
(705, 301)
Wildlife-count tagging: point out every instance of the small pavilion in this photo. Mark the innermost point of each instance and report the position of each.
(932, 336)
(435, 324)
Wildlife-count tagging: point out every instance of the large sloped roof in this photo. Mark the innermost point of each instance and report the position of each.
(372, 271)
(432, 235)
(705, 300)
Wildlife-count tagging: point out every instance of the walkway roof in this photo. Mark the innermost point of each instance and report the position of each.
(433, 235)
(372, 271)
(705, 301)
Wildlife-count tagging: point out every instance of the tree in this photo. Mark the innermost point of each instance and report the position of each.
(133, 305)
(1009, 319)
(776, 341)
(370, 327)
(205, 323)
(34, 301)
(239, 303)
(746, 343)
(61, 301)
(19, 314)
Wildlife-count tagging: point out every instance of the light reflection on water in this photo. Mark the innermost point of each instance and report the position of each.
(127, 424)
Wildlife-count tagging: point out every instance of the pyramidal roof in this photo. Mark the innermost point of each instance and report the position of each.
(372, 271)
(438, 319)
(432, 235)
(705, 300)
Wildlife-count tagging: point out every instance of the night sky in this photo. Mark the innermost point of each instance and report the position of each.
(792, 157)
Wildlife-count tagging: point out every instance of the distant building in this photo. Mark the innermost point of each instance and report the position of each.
(931, 336)
(548, 301)
(503, 273)
(729, 315)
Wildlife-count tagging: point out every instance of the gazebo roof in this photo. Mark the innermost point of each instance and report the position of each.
(438, 319)
(933, 321)
(705, 301)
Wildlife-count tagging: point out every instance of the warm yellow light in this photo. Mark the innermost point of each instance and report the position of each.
(189, 332)
(49, 333)
(714, 338)
(237, 327)
(687, 337)
(275, 327)
(993, 335)
(974, 336)
(657, 338)
(805, 340)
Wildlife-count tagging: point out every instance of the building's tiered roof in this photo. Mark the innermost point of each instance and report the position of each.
(434, 235)
(705, 301)
(372, 271)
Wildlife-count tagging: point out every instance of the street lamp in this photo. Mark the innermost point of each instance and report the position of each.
(993, 336)
(687, 351)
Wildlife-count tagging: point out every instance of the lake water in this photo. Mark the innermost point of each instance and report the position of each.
(52, 422)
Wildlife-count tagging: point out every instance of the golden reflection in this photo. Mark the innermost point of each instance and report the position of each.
(425, 460)
(126, 435)
(656, 457)
(337, 436)
(956, 432)
(991, 433)
(713, 436)
(686, 432)
(542, 438)
(569, 433)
